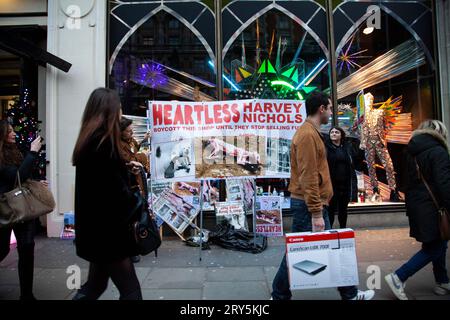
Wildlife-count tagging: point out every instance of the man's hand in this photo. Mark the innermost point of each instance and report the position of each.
(135, 167)
(318, 224)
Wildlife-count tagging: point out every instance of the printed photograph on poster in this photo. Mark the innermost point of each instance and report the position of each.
(210, 194)
(241, 189)
(169, 215)
(230, 156)
(174, 210)
(184, 189)
(189, 191)
(173, 159)
(278, 157)
(269, 221)
(233, 212)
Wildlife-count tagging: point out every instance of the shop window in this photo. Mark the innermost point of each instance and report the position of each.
(174, 24)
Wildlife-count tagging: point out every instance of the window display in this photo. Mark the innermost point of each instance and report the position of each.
(279, 50)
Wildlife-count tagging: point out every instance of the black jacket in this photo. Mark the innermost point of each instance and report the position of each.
(431, 151)
(8, 174)
(351, 183)
(103, 204)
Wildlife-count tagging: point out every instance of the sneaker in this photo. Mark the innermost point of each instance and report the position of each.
(396, 286)
(135, 259)
(442, 289)
(364, 295)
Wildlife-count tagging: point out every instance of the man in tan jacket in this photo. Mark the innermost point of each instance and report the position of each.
(311, 189)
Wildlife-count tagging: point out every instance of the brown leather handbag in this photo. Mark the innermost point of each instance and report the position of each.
(28, 201)
(443, 215)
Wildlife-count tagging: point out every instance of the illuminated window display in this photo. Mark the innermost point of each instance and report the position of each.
(386, 70)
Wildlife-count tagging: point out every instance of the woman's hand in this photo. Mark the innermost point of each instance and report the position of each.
(44, 183)
(36, 145)
(147, 135)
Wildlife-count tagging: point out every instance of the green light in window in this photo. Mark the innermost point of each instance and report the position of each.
(309, 89)
(283, 83)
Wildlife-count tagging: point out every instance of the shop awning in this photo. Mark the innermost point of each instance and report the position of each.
(14, 43)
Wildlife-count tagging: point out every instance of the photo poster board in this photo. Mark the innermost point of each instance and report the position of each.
(189, 192)
(197, 141)
(223, 139)
(269, 219)
(233, 212)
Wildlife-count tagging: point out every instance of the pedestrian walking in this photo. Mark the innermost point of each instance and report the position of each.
(130, 153)
(311, 189)
(103, 200)
(428, 164)
(11, 162)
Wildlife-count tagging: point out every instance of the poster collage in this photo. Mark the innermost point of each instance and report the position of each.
(196, 145)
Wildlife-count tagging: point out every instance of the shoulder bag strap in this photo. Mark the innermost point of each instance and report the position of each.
(18, 182)
(426, 184)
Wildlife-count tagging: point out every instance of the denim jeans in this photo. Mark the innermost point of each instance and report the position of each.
(302, 223)
(431, 252)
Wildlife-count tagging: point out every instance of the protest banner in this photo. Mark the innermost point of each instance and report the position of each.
(241, 138)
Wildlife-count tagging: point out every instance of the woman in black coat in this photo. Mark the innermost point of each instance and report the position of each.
(11, 162)
(103, 200)
(343, 176)
(428, 146)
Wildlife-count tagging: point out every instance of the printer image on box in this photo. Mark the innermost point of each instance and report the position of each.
(310, 267)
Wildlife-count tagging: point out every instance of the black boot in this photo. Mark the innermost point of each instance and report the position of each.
(80, 296)
(26, 271)
(135, 259)
(395, 196)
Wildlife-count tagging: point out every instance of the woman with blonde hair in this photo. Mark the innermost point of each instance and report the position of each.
(428, 150)
(103, 200)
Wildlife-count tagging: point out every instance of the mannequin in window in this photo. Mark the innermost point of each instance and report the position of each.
(373, 142)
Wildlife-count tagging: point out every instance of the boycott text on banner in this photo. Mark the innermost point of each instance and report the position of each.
(322, 259)
(233, 212)
(229, 208)
(269, 220)
(241, 138)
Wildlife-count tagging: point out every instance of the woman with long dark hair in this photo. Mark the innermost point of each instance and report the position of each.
(343, 176)
(103, 200)
(130, 153)
(11, 162)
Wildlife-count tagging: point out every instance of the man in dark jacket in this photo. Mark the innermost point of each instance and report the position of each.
(429, 147)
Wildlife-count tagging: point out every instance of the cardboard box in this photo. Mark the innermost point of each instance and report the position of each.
(321, 259)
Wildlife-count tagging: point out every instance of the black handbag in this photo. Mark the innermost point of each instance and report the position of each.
(143, 228)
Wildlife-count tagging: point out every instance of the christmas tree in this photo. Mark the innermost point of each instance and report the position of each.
(22, 115)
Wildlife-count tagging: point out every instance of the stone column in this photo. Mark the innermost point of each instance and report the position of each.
(77, 34)
(443, 37)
